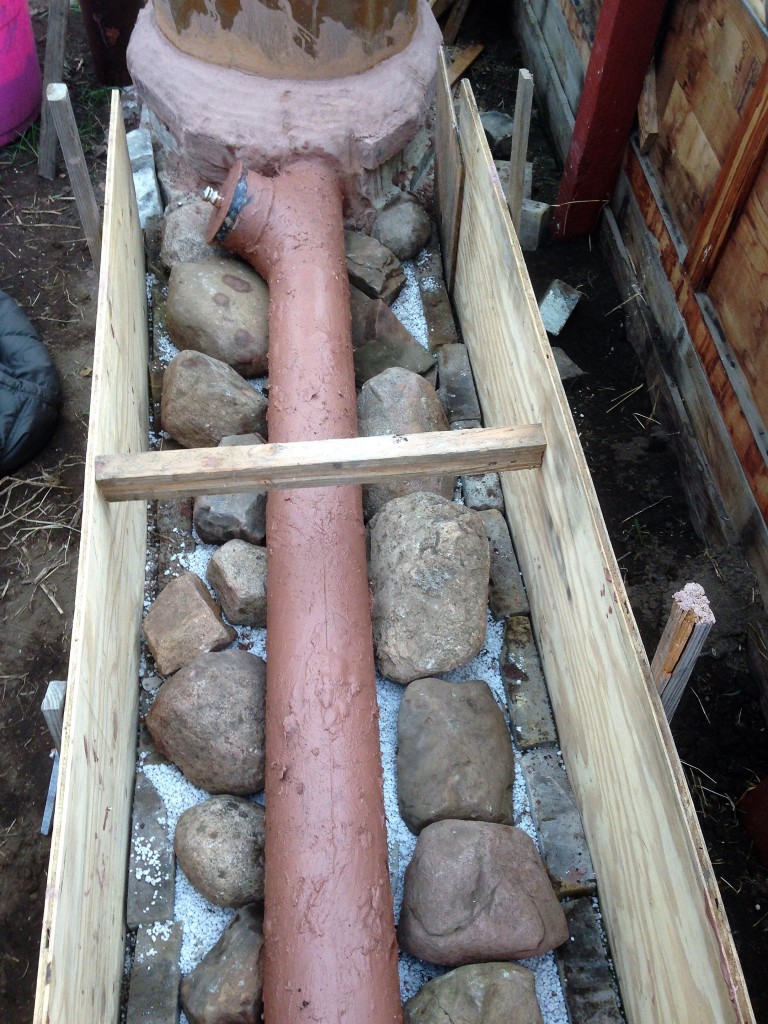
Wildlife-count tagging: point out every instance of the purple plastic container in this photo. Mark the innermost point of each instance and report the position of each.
(21, 86)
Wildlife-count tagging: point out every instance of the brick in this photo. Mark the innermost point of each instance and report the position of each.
(561, 833)
(506, 592)
(441, 326)
(457, 388)
(527, 697)
(153, 994)
(585, 971)
(151, 866)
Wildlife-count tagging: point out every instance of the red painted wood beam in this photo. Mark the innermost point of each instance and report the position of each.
(624, 41)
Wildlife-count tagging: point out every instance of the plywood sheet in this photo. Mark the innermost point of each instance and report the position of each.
(671, 945)
(81, 957)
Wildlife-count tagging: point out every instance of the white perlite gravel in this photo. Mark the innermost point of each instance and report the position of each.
(202, 921)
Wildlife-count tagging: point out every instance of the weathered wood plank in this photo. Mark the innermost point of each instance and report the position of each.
(547, 81)
(563, 50)
(353, 460)
(463, 57)
(53, 71)
(449, 171)
(744, 442)
(517, 159)
(81, 953)
(737, 177)
(611, 725)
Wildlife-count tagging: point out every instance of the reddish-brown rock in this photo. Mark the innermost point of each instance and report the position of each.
(209, 720)
(475, 891)
(204, 400)
(184, 622)
(454, 754)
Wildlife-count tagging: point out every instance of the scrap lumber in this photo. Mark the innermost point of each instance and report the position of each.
(463, 56)
(681, 644)
(517, 161)
(449, 171)
(57, 95)
(53, 71)
(354, 460)
(648, 112)
(53, 709)
(455, 18)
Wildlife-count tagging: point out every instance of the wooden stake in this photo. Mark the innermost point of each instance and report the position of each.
(53, 708)
(57, 95)
(523, 104)
(681, 643)
(455, 19)
(53, 71)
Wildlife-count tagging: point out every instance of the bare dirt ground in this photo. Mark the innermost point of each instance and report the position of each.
(45, 266)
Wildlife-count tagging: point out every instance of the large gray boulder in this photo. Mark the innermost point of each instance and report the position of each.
(475, 891)
(220, 307)
(477, 994)
(429, 565)
(239, 516)
(454, 754)
(219, 845)
(399, 401)
(225, 987)
(238, 574)
(204, 400)
(209, 720)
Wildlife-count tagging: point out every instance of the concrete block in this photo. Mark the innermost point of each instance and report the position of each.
(585, 971)
(527, 697)
(506, 592)
(456, 385)
(153, 994)
(535, 218)
(557, 304)
(151, 865)
(565, 365)
(483, 492)
(145, 184)
(466, 425)
(561, 833)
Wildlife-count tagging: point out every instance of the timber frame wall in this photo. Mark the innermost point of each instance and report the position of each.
(686, 235)
(670, 941)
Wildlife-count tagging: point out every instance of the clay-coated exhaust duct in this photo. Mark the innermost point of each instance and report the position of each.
(330, 951)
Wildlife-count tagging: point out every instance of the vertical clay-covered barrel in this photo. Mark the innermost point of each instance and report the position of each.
(304, 39)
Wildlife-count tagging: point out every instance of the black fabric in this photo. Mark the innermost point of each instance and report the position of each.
(30, 392)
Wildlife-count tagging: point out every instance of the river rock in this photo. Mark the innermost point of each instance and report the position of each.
(184, 234)
(476, 891)
(238, 574)
(399, 401)
(225, 987)
(454, 754)
(220, 307)
(477, 994)
(220, 848)
(184, 622)
(429, 567)
(209, 720)
(204, 400)
(240, 516)
(372, 267)
(403, 226)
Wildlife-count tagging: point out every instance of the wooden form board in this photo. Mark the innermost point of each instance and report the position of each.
(81, 953)
(449, 172)
(353, 460)
(657, 889)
